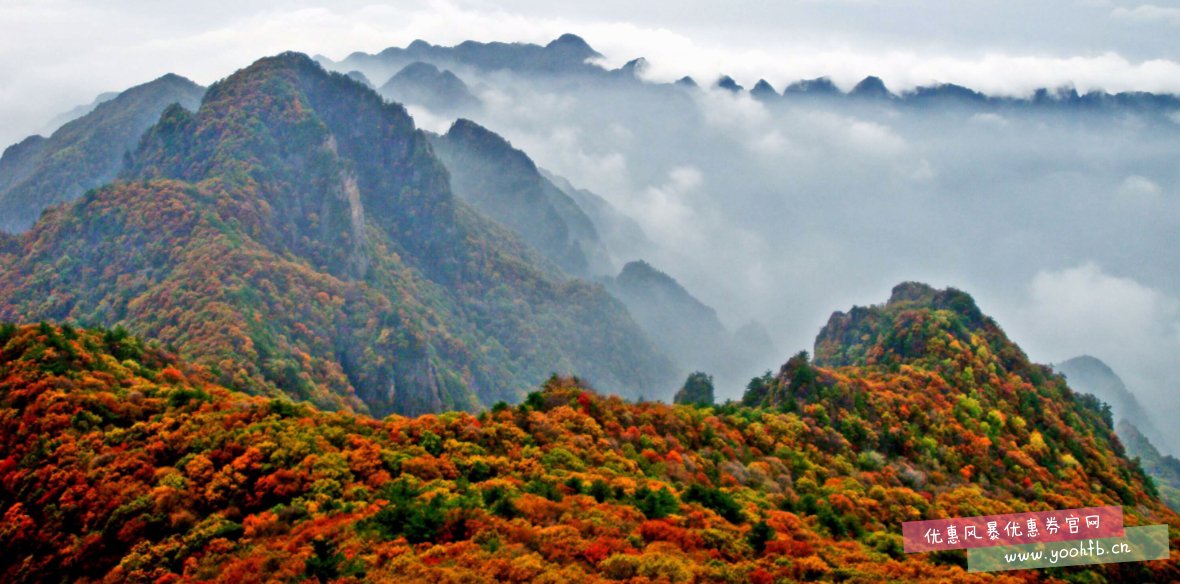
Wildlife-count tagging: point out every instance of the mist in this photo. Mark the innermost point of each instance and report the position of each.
(58, 55)
(1060, 221)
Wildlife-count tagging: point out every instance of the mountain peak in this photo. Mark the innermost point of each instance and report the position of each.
(84, 152)
(573, 44)
(466, 132)
(727, 83)
(424, 84)
(634, 67)
(817, 86)
(764, 90)
(872, 87)
(917, 323)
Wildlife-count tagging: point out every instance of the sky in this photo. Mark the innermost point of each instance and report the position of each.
(56, 54)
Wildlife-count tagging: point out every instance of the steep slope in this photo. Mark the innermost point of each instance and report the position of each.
(156, 474)
(929, 385)
(506, 185)
(621, 235)
(424, 84)
(1090, 375)
(1163, 469)
(688, 328)
(84, 153)
(939, 380)
(297, 235)
(76, 112)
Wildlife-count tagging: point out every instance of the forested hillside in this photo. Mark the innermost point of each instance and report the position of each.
(124, 463)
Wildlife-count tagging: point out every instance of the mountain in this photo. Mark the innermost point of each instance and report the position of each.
(77, 112)
(424, 84)
(506, 185)
(689, 330)
(763, 90)
(944, 93)
(986, 410)
(682, 325)
(727, 83)
(567, 54)
(819, 86)
(1090, 375)
(1163, 469)
(872, 88)
(84, 153)
(157, 473)
(297, 235)
(621, 235)
(928, 384)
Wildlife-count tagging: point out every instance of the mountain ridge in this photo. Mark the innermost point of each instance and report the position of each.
(83, 153)
(298, 235)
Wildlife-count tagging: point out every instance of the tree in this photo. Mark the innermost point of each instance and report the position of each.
(656, 504)
(697, 390)
(324, 563)
(759, 534)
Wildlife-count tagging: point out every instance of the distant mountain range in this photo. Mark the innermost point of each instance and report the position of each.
(567, 54)
(571, 56)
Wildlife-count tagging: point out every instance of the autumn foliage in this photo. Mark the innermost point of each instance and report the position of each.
(122, 463)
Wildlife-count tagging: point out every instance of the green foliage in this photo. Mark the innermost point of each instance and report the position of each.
(324, 563)
(759, 534)
(600, 490)
(717, 500)
(697, 390)
(656, 504)
(406, 514)
(432, 443)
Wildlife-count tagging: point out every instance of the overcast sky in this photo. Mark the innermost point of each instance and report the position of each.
(55, 54)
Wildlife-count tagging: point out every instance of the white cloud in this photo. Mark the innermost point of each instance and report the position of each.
(989, 119)
(1137, 190)
(60, 53)
(1133, 327)
(1149, 13)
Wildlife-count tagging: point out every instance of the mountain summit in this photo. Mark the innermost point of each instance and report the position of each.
(927, 379)
(83, 153)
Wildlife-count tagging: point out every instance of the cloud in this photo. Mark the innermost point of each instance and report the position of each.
(1137, 190)
(1149, 13)
(989, 118)
(61, 53)
(1133, 327)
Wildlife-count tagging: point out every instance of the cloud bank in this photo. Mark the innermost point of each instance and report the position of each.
(56, 54)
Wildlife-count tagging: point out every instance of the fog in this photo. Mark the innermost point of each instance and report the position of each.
(57, 54)
(1061, 222)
